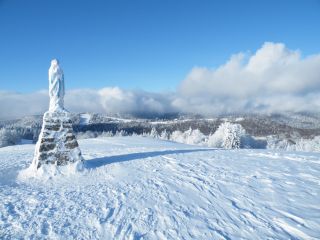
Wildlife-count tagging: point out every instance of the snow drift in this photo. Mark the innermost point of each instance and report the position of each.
(143, 188)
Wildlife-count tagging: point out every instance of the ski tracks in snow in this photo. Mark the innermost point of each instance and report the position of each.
(165, 190)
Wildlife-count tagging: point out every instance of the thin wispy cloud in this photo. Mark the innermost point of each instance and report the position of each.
(273, 79)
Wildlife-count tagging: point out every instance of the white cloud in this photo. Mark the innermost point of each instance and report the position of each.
(106, 100)
(17, 104)
(114, 100)
(273, 79)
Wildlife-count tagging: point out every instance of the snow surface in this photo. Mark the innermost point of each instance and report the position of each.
(142, 188)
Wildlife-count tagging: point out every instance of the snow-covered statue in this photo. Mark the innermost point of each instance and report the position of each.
(57, 145)
(56, 87)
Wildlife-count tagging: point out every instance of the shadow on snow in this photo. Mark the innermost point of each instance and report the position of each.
(99, 162)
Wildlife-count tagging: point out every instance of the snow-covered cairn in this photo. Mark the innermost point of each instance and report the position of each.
(57, 143)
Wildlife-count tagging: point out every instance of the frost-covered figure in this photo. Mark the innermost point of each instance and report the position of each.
(57, 145)
(56, 87)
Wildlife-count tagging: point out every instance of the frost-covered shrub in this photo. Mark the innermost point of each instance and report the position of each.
(9, 137)
(121, 133)
(164, 135)
(280, 143)
(106, 134)
(91, 134)
(228, 136)
(87, 134)
(191, 136)
(154, 133)
(308, 145)
(195, 137)
(177, 136)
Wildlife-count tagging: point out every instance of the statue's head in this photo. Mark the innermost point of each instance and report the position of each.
(54, 62)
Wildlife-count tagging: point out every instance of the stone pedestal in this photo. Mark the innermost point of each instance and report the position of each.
(57, 143)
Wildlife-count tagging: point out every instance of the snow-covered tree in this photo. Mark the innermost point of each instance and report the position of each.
(228, 136)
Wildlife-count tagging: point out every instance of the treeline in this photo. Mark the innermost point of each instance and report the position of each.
(264, 131)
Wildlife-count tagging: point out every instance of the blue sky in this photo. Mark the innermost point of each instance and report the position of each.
(150, 45)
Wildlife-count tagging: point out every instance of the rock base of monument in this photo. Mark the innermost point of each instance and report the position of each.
(57, 144)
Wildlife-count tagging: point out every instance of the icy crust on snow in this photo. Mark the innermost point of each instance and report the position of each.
(141, 188)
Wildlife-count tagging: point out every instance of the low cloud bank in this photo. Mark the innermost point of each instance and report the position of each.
(105, 100)
(116, 100)
(273, 79)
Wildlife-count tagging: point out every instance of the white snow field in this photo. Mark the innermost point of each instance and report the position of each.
(142, 188)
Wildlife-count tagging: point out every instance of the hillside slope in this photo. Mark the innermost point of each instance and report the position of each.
(141, 188)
